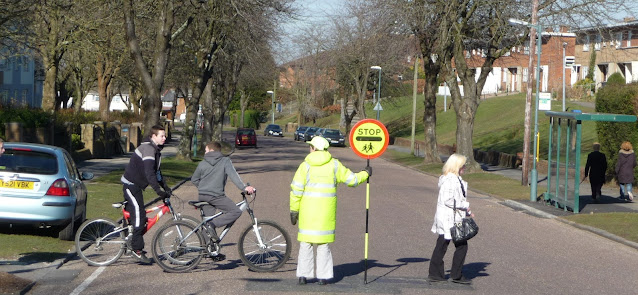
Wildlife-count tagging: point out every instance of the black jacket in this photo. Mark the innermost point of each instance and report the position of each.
(144, 167)
(596, 167)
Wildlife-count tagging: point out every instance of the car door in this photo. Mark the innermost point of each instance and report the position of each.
(76, 184)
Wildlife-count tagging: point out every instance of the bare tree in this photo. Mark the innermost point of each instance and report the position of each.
(164, 13)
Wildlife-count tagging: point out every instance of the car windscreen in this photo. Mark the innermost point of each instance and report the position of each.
(28, 161)
(332, 133)
(245, 132)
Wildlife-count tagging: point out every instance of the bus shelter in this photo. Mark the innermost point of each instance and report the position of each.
(563, 157)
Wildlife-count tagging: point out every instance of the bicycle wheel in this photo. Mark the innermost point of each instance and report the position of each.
(275, 252)
(100, 242)
(176, 247)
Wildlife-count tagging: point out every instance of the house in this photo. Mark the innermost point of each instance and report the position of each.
(615, 48)
(21, 80)
(91, 102)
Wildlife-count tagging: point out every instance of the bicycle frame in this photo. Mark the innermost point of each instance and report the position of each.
(243, 206)
(164, 208)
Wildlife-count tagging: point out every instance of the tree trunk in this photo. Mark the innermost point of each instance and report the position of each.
(431, 151)
(48, 91)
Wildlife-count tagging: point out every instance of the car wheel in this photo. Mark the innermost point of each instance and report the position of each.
(67, 233)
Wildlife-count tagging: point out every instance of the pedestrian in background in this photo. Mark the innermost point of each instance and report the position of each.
(595, 168)
(625, 170)
(452, 193)
(1, 146)
(313, 202)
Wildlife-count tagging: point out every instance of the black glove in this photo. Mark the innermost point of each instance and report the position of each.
(164, 194)
(294, 216)
(369, 170)
(168, 190)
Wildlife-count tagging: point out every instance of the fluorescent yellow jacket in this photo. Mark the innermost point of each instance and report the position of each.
(314, 195)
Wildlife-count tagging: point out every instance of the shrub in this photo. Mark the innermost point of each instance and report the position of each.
(615, 79)
(76, 142)
(616, 99)
(251, 118)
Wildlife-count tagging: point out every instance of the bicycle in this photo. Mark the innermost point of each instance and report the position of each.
(102, 241)
(179, 246)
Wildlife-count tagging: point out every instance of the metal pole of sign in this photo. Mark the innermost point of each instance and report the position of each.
(365, 255)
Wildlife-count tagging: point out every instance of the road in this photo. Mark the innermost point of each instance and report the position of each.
(514, 253)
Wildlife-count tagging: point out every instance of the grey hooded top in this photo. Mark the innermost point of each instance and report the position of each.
(211, 174)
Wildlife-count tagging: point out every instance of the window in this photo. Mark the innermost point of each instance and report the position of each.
(598, 41)
(24, 95)
(629, 38)
(96, 98)
(586, 42)
(526, 50)
(584, 71)
(3, 63)
(25, 64)
(525, 71)
(618, 39)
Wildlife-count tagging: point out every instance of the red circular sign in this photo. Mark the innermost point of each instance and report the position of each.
(369, 138)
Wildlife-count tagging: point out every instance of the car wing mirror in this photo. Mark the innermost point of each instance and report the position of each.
(86, 175)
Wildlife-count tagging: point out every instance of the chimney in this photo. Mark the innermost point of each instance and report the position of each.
(564, 29)
(629, 19)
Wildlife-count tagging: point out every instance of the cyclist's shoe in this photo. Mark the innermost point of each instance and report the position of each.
(141, 257)
(218, 257)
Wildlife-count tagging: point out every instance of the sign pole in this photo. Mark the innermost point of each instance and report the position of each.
(365, 258)
(368, 139)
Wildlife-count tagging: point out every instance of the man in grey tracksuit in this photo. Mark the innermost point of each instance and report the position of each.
(210, 179)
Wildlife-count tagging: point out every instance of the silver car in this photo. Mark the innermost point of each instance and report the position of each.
(41, 186)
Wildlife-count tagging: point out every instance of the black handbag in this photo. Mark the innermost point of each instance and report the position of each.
(466, 228)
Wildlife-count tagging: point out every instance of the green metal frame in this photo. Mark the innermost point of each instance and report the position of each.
(568, 195)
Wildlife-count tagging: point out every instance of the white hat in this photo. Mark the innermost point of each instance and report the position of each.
(319, 143)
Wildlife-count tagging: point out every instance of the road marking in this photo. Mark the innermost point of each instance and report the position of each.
(88, 281)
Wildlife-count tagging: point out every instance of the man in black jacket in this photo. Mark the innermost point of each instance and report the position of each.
(143, 170)
(595, 168)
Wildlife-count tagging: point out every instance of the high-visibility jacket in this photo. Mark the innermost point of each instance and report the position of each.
(314, 195)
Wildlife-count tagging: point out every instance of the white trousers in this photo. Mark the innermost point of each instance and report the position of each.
(306, 261)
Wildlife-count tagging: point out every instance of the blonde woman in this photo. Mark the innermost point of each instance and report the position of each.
(625, 170)
(452, 189)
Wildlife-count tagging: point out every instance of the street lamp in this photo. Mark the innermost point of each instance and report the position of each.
(537, 27)
(378, 105)
(272, 104)
(563, 65)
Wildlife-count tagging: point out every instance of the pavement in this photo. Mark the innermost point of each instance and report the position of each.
(30, 273)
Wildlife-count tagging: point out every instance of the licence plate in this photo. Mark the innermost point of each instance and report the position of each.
(15, 184)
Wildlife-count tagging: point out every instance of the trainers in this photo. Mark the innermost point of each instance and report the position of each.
(141, 257)
(435, 279)
(462, 280)
(218, 257)
(631, 196)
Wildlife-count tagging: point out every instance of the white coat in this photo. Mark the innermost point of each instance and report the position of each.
(449, 190)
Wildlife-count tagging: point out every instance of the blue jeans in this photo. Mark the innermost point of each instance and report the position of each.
(625, 188)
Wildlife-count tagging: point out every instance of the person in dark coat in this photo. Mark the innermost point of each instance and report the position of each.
(595, 169)
(625, 170)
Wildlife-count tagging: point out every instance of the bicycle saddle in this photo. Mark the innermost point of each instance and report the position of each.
(118, 204)
(198, 204)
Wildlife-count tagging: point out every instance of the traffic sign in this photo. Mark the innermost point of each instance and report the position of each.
(369, 138)
(378, 107)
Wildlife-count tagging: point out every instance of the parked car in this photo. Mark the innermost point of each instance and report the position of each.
(300, 132)
(245, 137)
(40, 186)
(334, 137)
(309, 133)
(274, 130)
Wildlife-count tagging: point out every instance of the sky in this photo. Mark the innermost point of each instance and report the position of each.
(311, 13)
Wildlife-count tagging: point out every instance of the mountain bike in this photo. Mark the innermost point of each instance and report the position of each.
(102, 241)
(179, 246)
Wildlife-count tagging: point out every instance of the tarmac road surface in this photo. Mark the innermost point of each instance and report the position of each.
(514, 252)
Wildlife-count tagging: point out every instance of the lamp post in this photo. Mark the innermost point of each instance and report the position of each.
(536, 27)
(272, 104)
(378, 105)
(563, 65)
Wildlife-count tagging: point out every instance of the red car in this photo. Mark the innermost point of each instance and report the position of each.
(245, 137)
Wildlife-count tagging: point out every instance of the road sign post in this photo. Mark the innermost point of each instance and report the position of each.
(368, 139)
